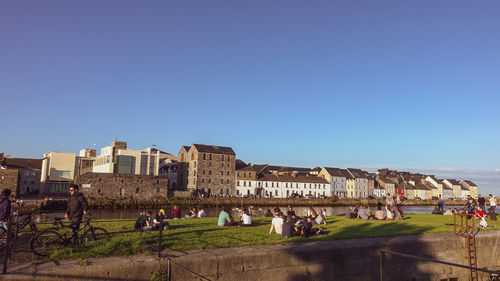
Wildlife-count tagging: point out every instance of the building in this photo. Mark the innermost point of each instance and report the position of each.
(438, 186)
(387, 185)
(58, 172)
(247, 183)
(337, 179)
(210, 169)
(472, 187)
(28, 175)
(118, 159)
(283, 186)
(455, 186)
(361, 179)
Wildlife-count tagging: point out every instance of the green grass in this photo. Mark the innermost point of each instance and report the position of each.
(194, 234)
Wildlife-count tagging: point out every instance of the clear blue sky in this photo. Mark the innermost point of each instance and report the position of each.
(399, 84)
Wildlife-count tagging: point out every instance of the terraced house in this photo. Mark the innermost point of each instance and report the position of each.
(361, 179)
(337, 179)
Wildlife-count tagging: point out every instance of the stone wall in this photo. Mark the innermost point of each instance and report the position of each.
(119, 186)
(350, 259)
(9, 179)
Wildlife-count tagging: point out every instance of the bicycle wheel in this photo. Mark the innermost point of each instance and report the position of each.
(95, 236)
(3, 237)
(46, 242)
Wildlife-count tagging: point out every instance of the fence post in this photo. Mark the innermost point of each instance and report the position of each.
(160, 237)
(169, 270)
(7, 245)
(381, 265)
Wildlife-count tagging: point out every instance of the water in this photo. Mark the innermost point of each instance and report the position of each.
(214, 212)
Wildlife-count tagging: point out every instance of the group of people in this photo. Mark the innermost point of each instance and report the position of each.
(225, 218)
(147, 221)
(382, 213)
(478, 208)
(291, 225)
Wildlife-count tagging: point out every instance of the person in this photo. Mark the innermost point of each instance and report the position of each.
(289, 229)
(437, 210)
(176, 214)
(5, 207)
(389, 201)
(246, 219)
(77, 207)
(225, 218)
(493, 203)
(149, 222)
(277, 223)
(441, 205)
(491, 214)
(306, 226)
(398, 214)
(379, 214)
(480, 214)
(398, 200)
(190, 214)
(320, 219)
(158, 219)
(389, 214)
(324, 213)
(448, 212)
(201, 213)
(140, 223)
(362, 214)
(268, 213)
(471, 205)
(481, 202)
(350, 214)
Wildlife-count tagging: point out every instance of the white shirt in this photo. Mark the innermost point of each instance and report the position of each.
(493, 202)
(390, 215)
(278, 223)
(201, 214)
(247, 219)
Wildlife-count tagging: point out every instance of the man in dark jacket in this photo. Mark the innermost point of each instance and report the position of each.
(5, 205)
(77, 207)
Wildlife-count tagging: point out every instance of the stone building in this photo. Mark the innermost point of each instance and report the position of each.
(211, 169)
(9, 179)
(118, 186)
(28, 175)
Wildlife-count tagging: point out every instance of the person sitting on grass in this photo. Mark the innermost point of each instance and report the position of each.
(491, 214)
(246, 219)
(350, 214)
(362, 214)
(190, 213)
(140, 223)
(225, 218)
(379, 213)
(320, 219)
(289, 229)
(481, 215)
(448, 212)
(268, 213)
(437, 211)
(201, 213)
(306, 228)
(148, 221)
(176, 213)
(389, 214)
(277, 223)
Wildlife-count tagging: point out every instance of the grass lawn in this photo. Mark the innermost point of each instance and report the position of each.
(204, 233)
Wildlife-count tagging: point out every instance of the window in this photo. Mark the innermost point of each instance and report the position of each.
(244, 183)
(249, 174)
(192, 157)
(157, 190)
(221, 181)
(238, 183)
(228, 165)
(222, 158)
(203, 180)
(266, 184)
(238, 174)
(221, 173)
(250, 183)
(237, 192)
(245, 175)
(137, 190)
(194, 165)
(209, 180)
(210, 156)
(203, 171)
(276, 192)
(210, 164)
(222, 164)
(248, 192)
(209, 172)
(204, 156)
(228, 173)
(227, 181)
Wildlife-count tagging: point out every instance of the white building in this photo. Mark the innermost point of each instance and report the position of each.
(285, 186)
(337, 179)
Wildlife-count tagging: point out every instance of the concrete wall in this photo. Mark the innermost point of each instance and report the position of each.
(351, 259)
(115, 186)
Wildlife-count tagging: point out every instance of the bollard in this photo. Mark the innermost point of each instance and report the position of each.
(160, 237)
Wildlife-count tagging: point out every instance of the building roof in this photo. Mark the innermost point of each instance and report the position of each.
(23, 163)
(421, 186)
(410, 186)
(464, 187)
(430, 186)
(447, 187)
(288, 169)
(469, 183)
(214, 149)
(337, 172)
(453, 181)
(358, 173)
(187, 148)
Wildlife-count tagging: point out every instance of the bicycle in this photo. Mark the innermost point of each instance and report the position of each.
(52, 239)
(28, 220)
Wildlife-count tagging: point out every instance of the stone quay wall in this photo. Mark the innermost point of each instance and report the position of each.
(143, 187)
(350, 259)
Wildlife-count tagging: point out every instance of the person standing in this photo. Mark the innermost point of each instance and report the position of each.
(493, 203)
(5, 207)
(471, 205)
(481, 201)
(389, 201)
(77, 207)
